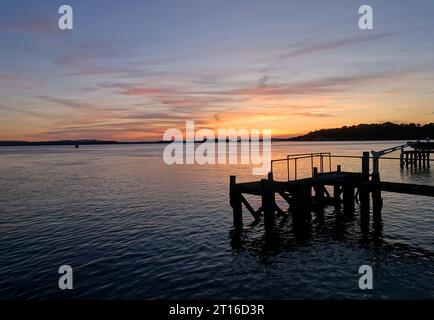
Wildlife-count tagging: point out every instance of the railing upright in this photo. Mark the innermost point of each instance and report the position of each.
(287, 167)
(311, 163)
(295, 168)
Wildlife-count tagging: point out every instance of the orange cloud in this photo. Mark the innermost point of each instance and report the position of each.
(143, 91)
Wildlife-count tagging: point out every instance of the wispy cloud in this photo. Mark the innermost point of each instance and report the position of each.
(312, 114)
(71, 103)
(35, 26)
(80, 105)
(316, 86)
(22, 111)
(145, 91)
(310, 48)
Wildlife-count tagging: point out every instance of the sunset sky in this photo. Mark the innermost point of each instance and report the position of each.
(132, 69)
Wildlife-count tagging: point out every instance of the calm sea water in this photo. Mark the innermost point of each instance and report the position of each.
(134, 228)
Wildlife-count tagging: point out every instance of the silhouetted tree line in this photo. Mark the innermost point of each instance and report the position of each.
(383, 131)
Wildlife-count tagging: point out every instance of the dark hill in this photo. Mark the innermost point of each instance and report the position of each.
(383, 131)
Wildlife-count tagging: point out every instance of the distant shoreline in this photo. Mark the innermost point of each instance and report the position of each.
(363, 132)
(96, 143)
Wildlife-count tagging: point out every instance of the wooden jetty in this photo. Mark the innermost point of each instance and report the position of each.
(419, 155)
(308, 194)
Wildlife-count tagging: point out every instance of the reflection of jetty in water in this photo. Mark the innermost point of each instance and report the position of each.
(324, 188)
(320, 257)
(287, 235)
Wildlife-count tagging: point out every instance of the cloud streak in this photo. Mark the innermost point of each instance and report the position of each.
(334, 44)
(36, 26)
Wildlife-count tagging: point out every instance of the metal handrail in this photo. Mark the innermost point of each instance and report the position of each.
(301, 156)
(321, 155)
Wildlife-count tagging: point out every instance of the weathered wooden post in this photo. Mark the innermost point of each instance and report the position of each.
(302, 203)
(406, 159)
(337, 191)
(415, 159)
(365, 167)
(348, 197)
(235, 202)
(377, 204)
(401, 159)
(377, 201)
(337, 196)
(319, 189)
(364, 190)
(268, 203)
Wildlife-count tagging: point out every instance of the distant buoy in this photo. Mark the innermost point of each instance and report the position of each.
(77, 146)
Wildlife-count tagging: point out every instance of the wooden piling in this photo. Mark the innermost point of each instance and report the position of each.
(337, 191)
(337, 196)
(236, 203)
(319, 194)
(348, 198)
(377, 201)
(365, 167)
(319, 190)
(415, 159)
(401, 159)
(268, 203)
(377, 204)
(364, 189)
(302, 203)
